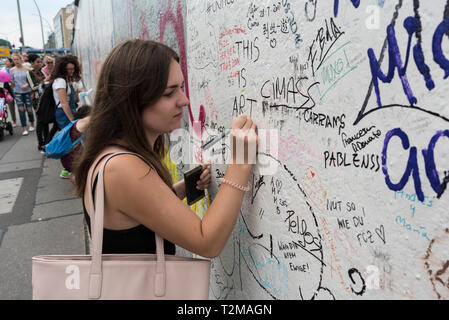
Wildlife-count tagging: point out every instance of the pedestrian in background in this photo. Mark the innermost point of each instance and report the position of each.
(22, 93)
(9, 64)
(82, 121)
(64, 83)
(49, 67)
(49, 62)
(36, 80)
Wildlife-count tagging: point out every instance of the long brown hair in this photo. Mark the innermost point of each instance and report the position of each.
(133, 77)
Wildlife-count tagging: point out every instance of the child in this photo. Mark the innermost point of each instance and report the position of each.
(82, 115)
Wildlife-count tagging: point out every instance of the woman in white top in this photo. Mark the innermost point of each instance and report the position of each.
(64, 82)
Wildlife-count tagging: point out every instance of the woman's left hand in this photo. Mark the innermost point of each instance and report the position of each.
(205, 178)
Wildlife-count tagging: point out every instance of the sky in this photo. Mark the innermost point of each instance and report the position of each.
(9, 20)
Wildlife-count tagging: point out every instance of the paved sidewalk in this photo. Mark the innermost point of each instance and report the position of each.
(39, 215)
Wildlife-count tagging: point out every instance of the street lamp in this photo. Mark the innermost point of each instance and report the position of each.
(49, 27)
(22, 39)
(42, 26)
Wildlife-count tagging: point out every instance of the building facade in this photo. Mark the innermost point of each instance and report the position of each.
(63, 26)
(51, 43)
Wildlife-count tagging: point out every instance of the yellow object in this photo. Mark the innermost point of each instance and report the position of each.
(4, 52)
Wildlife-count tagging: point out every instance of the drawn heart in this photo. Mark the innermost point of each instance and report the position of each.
(381, 233)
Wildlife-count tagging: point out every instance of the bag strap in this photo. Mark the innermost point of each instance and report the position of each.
(66, 91)
(80, 139)
(30, 80)
(90, 173)
(96, 273)
(90, 202)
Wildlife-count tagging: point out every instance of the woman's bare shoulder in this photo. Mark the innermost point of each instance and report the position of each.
(125, 166)
(123, 169)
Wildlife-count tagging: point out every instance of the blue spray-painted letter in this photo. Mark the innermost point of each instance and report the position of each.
(412, 164)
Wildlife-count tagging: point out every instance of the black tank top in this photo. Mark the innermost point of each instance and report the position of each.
(138, 240)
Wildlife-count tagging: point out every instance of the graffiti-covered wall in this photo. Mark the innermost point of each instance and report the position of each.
(101, 24)
(357, 94)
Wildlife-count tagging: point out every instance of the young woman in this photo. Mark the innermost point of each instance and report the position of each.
(64, 81)
(9, 64)
(49, 67)
(35, 77)
(139, 100)
(22, 93)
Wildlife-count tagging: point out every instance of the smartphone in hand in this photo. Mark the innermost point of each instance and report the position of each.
(191, 178)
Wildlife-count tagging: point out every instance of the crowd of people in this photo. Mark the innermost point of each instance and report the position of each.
(31, 76)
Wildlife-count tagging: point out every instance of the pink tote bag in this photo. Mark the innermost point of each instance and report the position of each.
(118, 276)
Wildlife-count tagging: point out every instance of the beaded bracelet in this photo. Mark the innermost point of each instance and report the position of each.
(235, 185)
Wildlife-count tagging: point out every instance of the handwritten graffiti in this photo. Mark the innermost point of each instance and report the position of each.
(353, 275)
(269, 258)
(412, 169)
(326, 37)
(413, 26)
(312, 13)
(274, 21)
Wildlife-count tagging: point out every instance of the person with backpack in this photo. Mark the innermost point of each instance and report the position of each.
(66, 145)
(76, 132)
(46, 112)
(64, 80)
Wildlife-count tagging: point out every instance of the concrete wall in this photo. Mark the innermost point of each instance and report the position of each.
(358, 207)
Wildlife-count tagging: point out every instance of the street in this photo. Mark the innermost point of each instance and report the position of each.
(39, 215)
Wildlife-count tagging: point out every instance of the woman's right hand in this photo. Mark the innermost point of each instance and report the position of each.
(244, 133)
